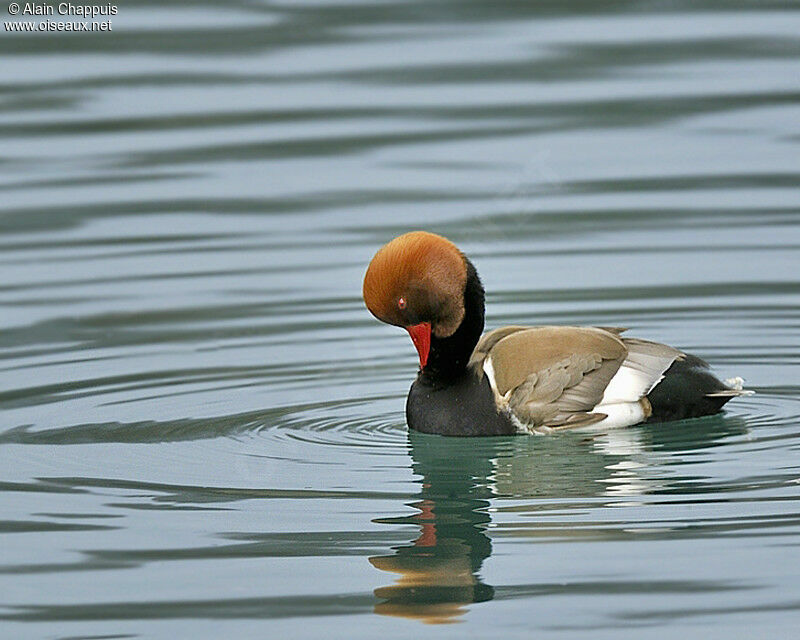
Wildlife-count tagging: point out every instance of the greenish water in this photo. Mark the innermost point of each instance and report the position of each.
(202, 428)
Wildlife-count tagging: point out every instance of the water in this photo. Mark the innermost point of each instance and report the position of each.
(202, 428)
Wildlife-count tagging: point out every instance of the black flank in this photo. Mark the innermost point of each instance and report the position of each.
(683, 392)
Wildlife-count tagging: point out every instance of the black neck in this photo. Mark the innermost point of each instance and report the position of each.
(449, 356)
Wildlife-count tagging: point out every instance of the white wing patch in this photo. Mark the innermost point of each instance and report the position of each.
(640, 372)
(488, 369)
(627, 385)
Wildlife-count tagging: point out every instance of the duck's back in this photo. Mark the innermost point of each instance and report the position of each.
(538, 379)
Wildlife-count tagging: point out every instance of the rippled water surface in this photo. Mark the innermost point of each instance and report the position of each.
(202, 428)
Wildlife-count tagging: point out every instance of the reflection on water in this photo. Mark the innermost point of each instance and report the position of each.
(440, 569)
(202, 428)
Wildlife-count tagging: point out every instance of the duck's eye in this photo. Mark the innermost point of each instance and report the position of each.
(401, 303)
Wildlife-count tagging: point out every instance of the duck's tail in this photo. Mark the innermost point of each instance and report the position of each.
(735, 387)
(690, 390)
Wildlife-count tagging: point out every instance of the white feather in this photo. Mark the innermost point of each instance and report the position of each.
(627, 385)
(488, 369)
(620, 414)
(640, 372)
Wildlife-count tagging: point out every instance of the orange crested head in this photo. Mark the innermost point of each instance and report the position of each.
(418, 278)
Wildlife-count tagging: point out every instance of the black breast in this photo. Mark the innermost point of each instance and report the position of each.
(463, 407)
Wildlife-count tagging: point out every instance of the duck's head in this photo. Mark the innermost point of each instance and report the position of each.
(417, 281)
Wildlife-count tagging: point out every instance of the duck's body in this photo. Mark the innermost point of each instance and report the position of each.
(522, 379)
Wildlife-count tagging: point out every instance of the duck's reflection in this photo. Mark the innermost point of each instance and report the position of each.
(438, 573)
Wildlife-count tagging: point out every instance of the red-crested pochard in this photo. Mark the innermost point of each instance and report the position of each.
(521, 379)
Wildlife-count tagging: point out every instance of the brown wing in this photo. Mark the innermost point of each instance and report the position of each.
(550, 376)
(488, 340)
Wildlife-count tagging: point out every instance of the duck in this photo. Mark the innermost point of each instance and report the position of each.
(522, 379)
